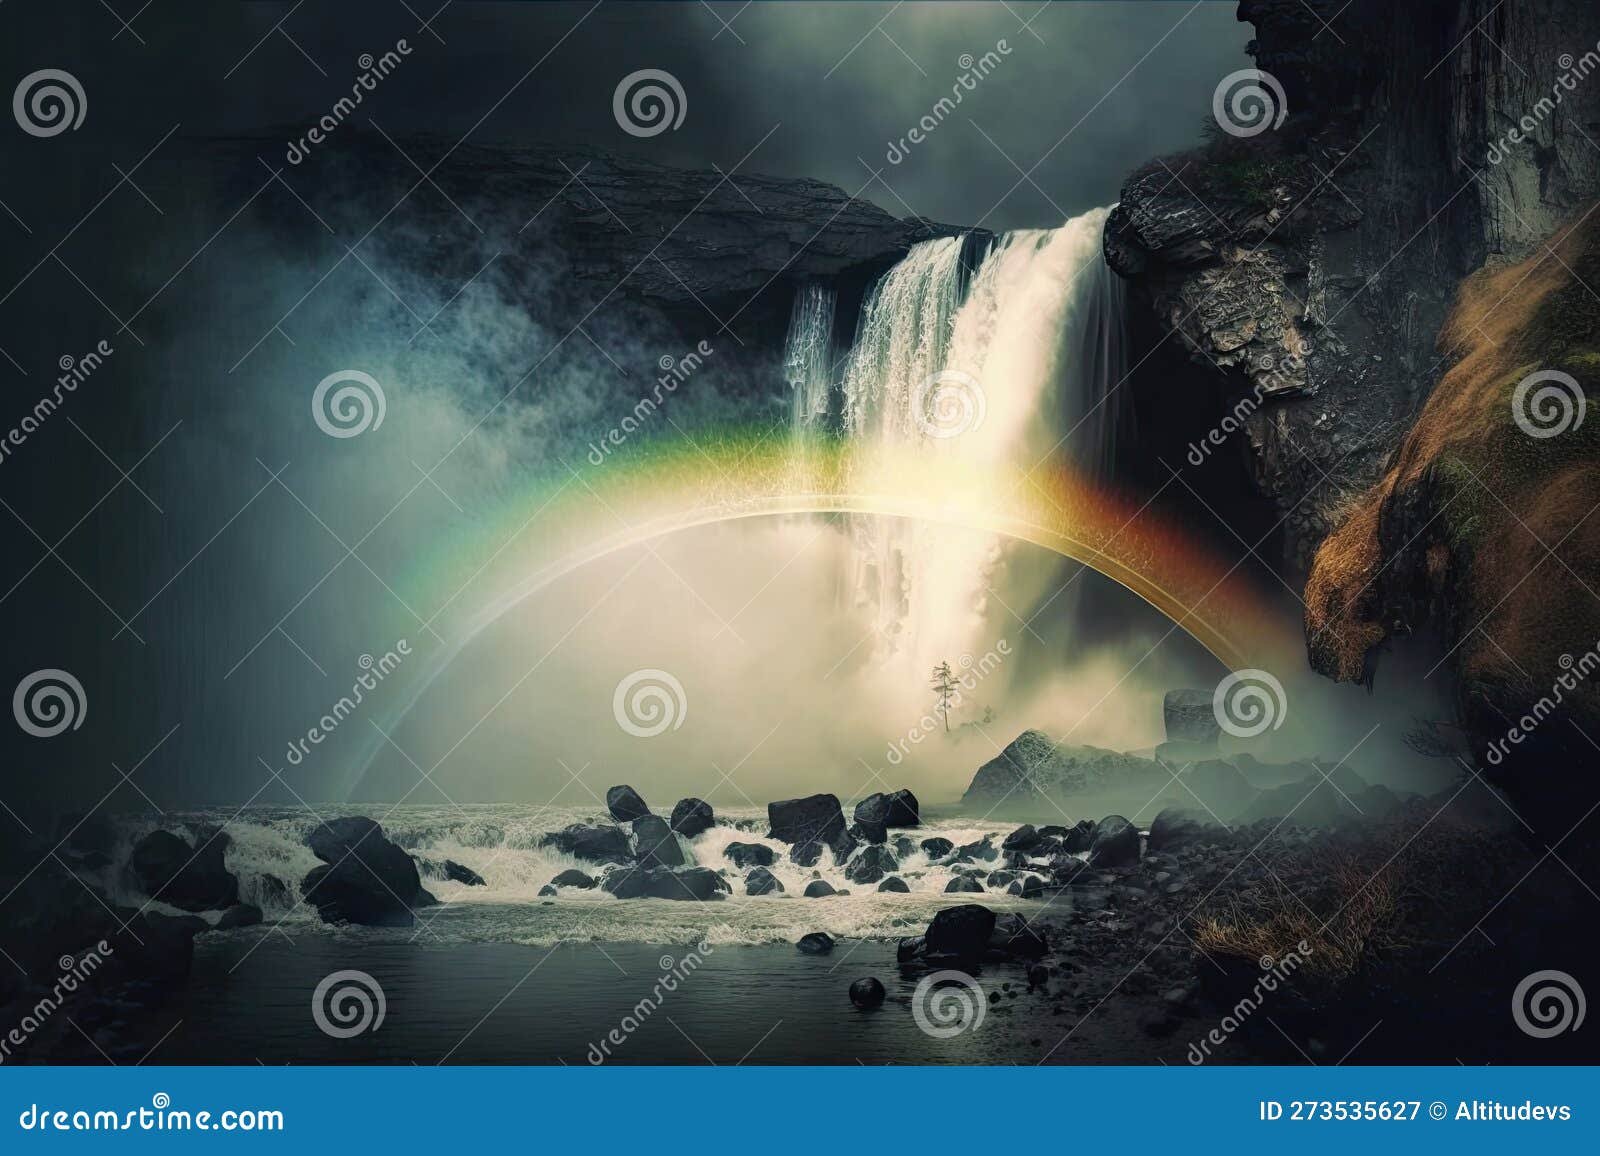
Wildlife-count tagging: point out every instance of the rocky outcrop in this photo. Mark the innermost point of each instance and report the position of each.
(697, 883)
(655, 844)
(810, 824)
(1116, 843)
(592, 842)
(1307, 269)
(1033, 768)
(1481, 532)
(168, 869)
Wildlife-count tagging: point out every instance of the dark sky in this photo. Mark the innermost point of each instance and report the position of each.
(1091, 88)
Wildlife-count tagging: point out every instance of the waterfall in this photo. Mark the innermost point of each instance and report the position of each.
(808, 353)
(1011, 362)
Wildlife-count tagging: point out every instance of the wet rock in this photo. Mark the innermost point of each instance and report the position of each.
(750, 854)
(698, 883)
(572, 877)
(962, 932)
(1080, 838)
(819, 889)
(367, 878)
(815, 943)
(805, 854)
(1178, 827)
(936, 847)
(239, 915)
(1027, 887)
(894, 883)
(692, 816)
(1190, 717)
(1116, 843)
(816, 819)
(963, 883)
(1023, 838)
(592, 842)
(547, 890)
(1014, 935)
(273, 892)
(871, 865)
(983, 849)
(760, 881)
(1000, 878)
(166, 868)
(911, 948)
(450, 871)
(904, 846)
(866, 993)
(881, 811)
(625, 804)
(655, 844)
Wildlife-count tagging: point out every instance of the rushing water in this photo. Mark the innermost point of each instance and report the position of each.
(501, 843)
(1015, 362)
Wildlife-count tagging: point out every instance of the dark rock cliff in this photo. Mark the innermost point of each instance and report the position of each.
(1308, 268)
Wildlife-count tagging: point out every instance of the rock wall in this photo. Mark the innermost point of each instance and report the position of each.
(1308, 269)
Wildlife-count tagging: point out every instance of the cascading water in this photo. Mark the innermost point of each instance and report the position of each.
(808, 353)
(1013, 362)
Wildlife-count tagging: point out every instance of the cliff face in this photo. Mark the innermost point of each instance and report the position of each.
(1309, 268)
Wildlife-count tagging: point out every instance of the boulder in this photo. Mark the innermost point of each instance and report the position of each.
(451, 871)
(816, 819)
(1178, 826)
(963, 883)
(819, 889)
(894, 883)
(368, 878)
(871, 865)
(625, 804)
(962, 932)
(1034, 768)
(655, 845)
(1220, 786)
(273, 892)
(1000, 878)
(937, 847)
(750, 854)
(805, 854)
(983, 849)
(700, 883)
(876, 813)
(591, 842)
(816, 943)
(692, 816)
(347, 892)
(166, 868)
(904, 847)
(760, 881)
(866, 993)
(1015, 935)
(1080, 837)
(239, 915)
(1027, 887)
(572, 877)
(1024, 838)
(1116, 843)
(1190, 717)
(547, 890)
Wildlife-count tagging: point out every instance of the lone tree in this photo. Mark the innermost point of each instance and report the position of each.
(944, 685)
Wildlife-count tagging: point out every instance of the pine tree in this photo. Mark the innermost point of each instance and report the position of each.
(943, 683)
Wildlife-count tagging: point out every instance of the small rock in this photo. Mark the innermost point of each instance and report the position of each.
(866, 993)
(816, 943)
(894, 883)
